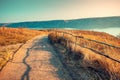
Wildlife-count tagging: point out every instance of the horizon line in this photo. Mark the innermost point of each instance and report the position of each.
(57, 19)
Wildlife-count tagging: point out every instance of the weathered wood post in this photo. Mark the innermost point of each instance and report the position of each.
(75, 42)
(56, 34)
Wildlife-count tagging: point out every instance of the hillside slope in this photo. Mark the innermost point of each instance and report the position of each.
(88, 23)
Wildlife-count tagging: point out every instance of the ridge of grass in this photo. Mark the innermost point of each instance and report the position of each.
(88, 59)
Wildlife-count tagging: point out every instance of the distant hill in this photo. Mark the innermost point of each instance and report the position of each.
(88, 23)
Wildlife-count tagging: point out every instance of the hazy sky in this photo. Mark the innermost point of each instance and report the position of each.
(38, 10)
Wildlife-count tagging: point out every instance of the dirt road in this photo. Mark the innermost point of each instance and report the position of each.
(36, 60)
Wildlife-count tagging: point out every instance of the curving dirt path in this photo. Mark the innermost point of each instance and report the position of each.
(36, 60)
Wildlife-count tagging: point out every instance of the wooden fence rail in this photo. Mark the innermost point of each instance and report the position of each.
(110, 45)
(76, 43)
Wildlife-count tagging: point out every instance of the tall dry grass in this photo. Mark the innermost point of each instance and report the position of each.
(99, 36)
(17, 35)
(105, 67)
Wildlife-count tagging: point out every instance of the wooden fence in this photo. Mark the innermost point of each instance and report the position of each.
(84, 46)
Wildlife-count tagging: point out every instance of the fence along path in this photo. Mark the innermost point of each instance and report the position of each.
(98, 52)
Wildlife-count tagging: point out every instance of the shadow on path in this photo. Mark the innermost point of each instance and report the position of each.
(25, 76)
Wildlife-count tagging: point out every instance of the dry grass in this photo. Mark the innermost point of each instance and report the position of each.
(99, 36)
(90, 59)
(13, 36)
(94, 35)
(17, 35)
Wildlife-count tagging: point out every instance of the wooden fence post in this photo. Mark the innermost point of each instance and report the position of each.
(56, 34)
(63, 34)
(75, 42)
